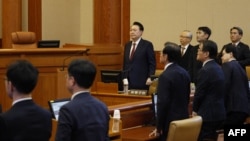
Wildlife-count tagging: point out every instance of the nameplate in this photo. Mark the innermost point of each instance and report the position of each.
(138, 92)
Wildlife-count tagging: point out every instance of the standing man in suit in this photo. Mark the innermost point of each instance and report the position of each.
(203, 33)
(242, 49)
(237, 95)
(139, 59)
(209, 94)
(173, 90)
(25, 120)
(84, 118)
(186, 51)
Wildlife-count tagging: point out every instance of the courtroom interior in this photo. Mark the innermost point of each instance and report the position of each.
(50, 34)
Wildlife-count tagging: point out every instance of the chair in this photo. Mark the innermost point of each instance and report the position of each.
(153, 86)
(23, 39)
(185, 130)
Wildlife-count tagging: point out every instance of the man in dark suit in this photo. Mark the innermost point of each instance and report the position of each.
(173, 90)
(243, 52)
(24, 121)
(139, 59)
(237, 95)
(203, 33)
(186, 50)
(84, 118)
(209, 94)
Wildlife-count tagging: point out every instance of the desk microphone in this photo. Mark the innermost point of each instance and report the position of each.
(79, 52)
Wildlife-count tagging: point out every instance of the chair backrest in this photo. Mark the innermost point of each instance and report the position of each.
(185, 130)
(23, 39)
(153, 86)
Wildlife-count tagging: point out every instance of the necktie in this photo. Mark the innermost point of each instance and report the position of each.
(182, 51)
(132, 52)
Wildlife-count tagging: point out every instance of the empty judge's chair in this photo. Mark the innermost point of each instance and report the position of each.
(185, 130)
(23, 39)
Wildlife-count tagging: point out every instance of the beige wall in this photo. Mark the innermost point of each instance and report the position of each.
(72, 21)
(165, 19)
(69, 21)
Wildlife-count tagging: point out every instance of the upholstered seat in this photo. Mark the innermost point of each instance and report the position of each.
(23, 39)
(185, 130)
(153, 86)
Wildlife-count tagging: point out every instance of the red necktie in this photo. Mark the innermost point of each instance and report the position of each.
(132, 52)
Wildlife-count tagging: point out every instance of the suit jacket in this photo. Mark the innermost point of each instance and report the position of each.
(209, 94)
(196, 66)
(25, 121)
(186, 60)
(141, 66)
(243, 54)
(84, 118)
(173, 97)
(237, 95)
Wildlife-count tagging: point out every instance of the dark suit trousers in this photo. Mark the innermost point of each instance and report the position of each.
(208, 130)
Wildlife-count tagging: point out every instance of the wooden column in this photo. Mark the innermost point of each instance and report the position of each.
(11, 19)
(111, 21)
(35, 17)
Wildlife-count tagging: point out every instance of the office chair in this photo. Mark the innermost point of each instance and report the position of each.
(185, 130)
(23, 39)
(153, 86)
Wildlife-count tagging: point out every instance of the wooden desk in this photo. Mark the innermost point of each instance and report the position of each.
(138, 134)
(49, 60)
(115, 99)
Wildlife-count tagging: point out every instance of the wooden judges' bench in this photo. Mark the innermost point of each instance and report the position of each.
(50, 62)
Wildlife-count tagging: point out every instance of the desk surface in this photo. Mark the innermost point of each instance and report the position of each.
(138, 134)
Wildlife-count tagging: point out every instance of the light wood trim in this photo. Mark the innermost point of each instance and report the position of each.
(130, 106)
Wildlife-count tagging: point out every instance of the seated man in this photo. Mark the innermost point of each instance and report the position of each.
(25, 120)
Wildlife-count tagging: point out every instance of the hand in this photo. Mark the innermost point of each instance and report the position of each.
(154, 133)
(149, 82)
(194, 114)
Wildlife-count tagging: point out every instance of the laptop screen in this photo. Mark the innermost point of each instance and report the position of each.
(55, 106)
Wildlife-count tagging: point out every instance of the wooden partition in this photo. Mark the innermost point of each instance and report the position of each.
(50, 61)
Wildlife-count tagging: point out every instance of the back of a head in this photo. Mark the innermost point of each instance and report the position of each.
(211, 47)
(206, 30)
(230, 49)
(173, 51)
(23, 75)
(83, 71)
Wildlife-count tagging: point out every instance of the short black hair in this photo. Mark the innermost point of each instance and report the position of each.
(83, 71)
(205, 29)
(238, 29)
(211, 47)
(23, 75)
(230, 49)
(173, 51)
(140, 25)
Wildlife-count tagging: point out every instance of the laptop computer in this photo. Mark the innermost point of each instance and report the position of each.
(55, 106)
